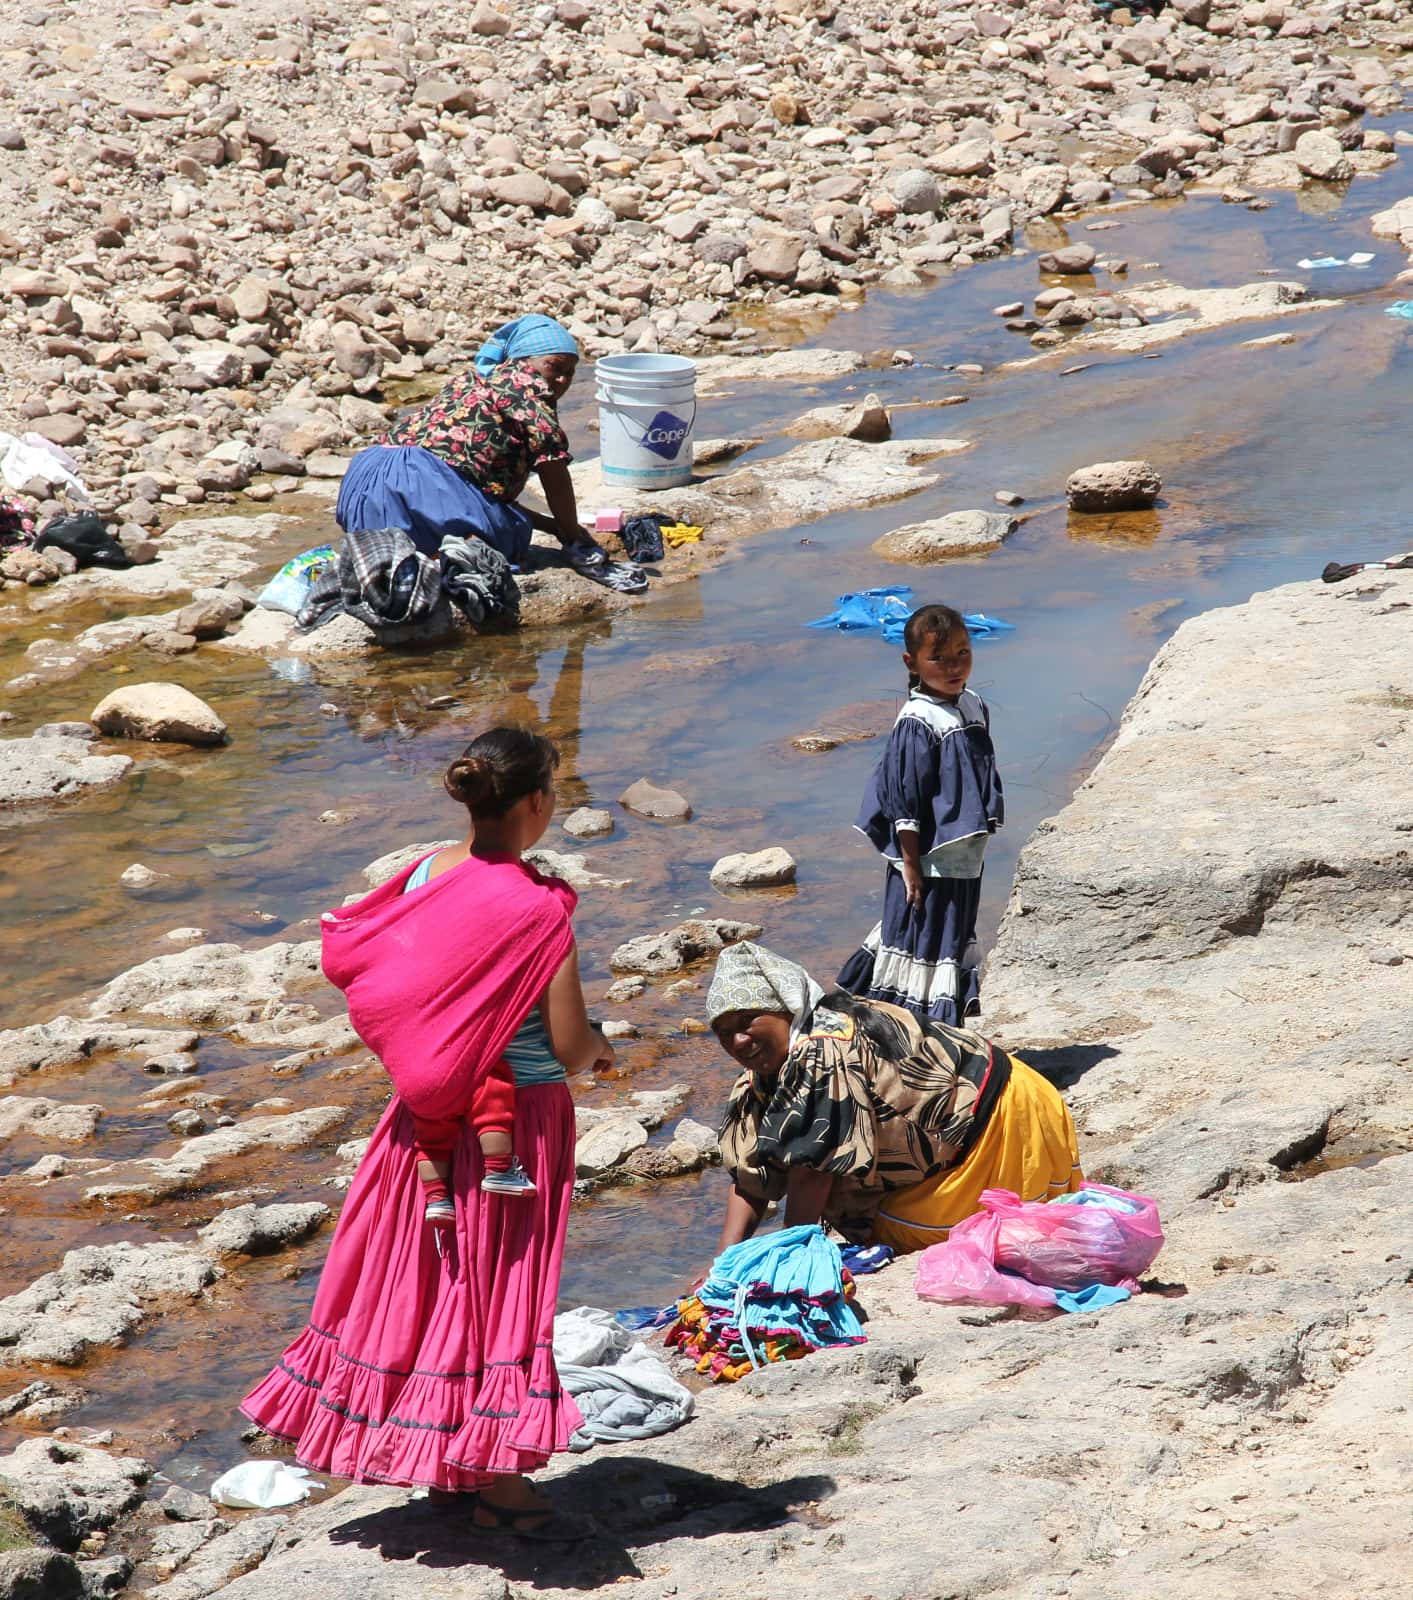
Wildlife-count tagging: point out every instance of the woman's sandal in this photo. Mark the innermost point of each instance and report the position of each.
(547, 1526)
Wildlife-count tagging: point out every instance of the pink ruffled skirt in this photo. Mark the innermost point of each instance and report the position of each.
(419, 1370)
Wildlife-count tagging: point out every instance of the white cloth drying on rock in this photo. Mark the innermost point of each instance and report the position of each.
(587, 1337)
(261, 1485)
(22, 461)
(624, 1391)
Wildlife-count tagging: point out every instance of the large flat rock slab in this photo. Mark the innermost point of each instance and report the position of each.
(193, 553)
(1293, 781)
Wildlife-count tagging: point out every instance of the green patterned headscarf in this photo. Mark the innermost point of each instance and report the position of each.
(751, 978)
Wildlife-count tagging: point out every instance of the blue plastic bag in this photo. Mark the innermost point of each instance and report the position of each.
(886, 610)
(289, 588)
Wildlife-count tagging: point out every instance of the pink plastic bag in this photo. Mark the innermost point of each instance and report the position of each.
(1016, 1252)
(962, 1270)
(1070, 1244)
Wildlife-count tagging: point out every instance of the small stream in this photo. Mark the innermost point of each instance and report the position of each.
(1275, 460)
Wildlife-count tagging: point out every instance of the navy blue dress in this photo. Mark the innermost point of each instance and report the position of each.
(937, 778)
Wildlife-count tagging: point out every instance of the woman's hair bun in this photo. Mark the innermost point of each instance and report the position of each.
(471, 780)
(499, 768)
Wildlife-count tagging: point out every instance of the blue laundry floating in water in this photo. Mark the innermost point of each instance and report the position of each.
(886, 610)
(1400, 308)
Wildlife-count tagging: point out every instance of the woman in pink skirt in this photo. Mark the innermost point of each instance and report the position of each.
(428, 1358)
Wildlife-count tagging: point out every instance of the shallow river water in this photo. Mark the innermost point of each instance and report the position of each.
(1275, 460)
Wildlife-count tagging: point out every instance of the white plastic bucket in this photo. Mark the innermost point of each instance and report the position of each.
(647, 413)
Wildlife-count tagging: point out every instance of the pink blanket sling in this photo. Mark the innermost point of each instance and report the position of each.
(414, 1369)
(439, 981)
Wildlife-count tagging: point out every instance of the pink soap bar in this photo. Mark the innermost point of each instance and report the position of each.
(609, 520)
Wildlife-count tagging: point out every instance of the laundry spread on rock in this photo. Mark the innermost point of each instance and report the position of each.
(385, 581)
(623, 1389)
(774, 1298)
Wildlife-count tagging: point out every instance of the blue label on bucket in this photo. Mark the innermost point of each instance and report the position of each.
(664, 435)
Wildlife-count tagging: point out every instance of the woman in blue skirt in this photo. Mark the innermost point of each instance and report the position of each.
(931, 805)
(457, 465)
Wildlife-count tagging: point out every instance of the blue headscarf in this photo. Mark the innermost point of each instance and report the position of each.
(526, 336)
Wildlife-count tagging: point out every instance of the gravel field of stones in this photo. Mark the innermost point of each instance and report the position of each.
(231, 230)
(235, 238)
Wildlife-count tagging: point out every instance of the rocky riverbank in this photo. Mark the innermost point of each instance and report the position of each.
(1208, 949)
(236, 234)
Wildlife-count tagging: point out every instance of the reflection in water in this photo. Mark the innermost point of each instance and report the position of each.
(1116, 527)
(1262, 451)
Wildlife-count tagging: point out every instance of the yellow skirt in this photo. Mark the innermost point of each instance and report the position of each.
(1028, 1147)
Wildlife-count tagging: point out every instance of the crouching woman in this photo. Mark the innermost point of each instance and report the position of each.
(862, 1115)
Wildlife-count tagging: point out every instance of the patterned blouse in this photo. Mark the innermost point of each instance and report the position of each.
(874, 1095)
(494, 431)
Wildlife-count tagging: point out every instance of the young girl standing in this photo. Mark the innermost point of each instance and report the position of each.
(932, 803)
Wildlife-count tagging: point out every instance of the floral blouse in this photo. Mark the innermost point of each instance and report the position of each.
(871, 1094)
(494, 431)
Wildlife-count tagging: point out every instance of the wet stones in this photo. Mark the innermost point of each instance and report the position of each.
(1395, 223)
(179, 1504)
(49, 1119)
(606, 1145)
(378, 872)
(39, 770)
(151, 1178)
(960, 533)
(696, 1136)
(587, 823)
(209, 617)
(646, 799)
(138, 877)
(1072, 260)
(173, 1064)
(163, 712)
(657, 953)
(613, 1142)
(1113, 486)
(759, 869)
(253, 1230)
(1319, 155)
(572, 869)
(868, 422)
(212, 985)
(67, 1041)
(97, 1297)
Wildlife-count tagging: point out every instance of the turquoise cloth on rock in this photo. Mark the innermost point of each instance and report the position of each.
(785, 1284)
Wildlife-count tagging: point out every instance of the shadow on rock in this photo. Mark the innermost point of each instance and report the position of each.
(636, 1502)
(1066, 1064)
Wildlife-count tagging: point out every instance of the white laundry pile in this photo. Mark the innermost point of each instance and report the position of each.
(34, 458)
(624, 1390)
